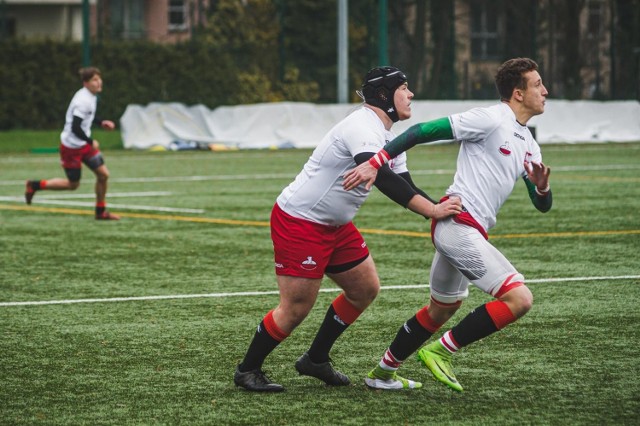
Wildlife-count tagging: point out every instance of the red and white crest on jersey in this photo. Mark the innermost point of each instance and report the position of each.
(505, 149)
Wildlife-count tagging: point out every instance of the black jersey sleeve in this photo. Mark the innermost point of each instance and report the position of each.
(76, 128)
(398, 187)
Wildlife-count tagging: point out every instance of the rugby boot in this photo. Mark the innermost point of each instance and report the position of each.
(105, 215)
(29, 192)
(383, 379)
(323, 371)
(255, 381)
(438, 359)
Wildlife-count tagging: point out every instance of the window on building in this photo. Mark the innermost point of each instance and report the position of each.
(178, 15)
(127, 19)
(7, 27)
(594, 21)
(593, 53)
(484, 30)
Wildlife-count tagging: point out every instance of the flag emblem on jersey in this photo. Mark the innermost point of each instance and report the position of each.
(309, 264)
(504, 149)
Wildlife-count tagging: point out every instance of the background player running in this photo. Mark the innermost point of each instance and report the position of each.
(77, 146)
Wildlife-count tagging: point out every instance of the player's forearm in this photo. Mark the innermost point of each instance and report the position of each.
(541, 200)
(422, 206)
(407, 177)
(394, 186)
(429, 131)
(76, 129)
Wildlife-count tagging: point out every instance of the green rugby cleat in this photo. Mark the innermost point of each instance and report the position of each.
(438, 359)
(383, 379)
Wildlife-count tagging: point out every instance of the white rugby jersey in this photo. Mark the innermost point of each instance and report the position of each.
(83, 105)
(316, 194)
(491, 159)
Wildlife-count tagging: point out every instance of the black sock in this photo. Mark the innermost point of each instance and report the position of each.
(330, 329)
(35, 185)
(408, 339)
(475, 326)
(100, 210)
(261, 346)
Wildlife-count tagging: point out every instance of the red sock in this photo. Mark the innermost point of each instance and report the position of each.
(389, 362)
(273, 329)
(345, 310)
(101, 206)
(425, 320)
(449, 342)
(39, 184)
(500, 314)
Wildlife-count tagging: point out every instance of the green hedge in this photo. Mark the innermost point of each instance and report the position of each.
(39, 78)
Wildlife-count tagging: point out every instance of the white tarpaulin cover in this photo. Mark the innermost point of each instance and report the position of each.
(302, 125)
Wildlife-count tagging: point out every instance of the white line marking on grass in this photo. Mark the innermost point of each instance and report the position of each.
(65, 196)
(596, 168)
(114, 206)
(274, 292)
(153, 179)
(203, 178)
(604, 167)
(156, 179)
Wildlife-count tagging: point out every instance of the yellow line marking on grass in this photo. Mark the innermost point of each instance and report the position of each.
(235, 222)
(46, 209)
(138, 215)
(394, 232)
(196, 219)
(506, 236)
(569, 234)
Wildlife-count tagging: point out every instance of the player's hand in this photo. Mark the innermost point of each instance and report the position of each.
(450, 207)
(95, 144)
(108, 125)
(365, 172)
(538, 174)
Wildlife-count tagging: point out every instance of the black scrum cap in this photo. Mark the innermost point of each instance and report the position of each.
(378, 88)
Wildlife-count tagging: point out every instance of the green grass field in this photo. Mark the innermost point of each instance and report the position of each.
(143, 321)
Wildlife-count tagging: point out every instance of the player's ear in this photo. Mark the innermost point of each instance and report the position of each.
(518, 94)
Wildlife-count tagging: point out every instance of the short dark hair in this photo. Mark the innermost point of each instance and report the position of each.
(510, 75)
(87, 73)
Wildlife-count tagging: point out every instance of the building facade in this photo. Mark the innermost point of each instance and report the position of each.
(455, 45)
(573, 42)
(164, 21)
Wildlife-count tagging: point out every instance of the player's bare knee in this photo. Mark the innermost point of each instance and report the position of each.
(102, 177)
(442, 312)
(372, 290)
(372, 293)
(526, 300)
(290, 317)
(362, 295)
(519, 300)
(73, 185)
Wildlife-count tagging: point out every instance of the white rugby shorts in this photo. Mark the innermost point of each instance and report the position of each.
(462, 256)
